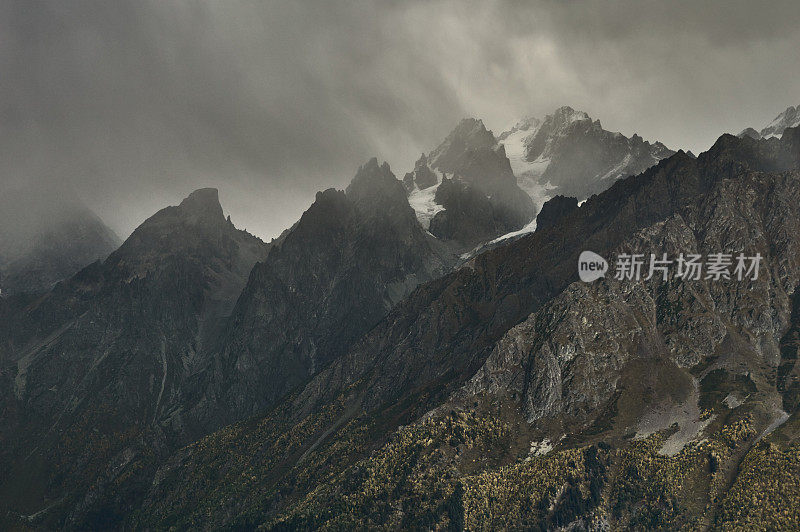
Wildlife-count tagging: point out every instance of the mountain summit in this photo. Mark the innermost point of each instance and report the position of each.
(570, 154)
(203, 204)
(103, 362)
(342, 267)
(480, 199)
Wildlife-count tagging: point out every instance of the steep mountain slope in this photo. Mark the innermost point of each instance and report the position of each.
(352, 256)
(45, 239)
(169, 337)
(510, 357)
(94, 370)
(568, 153)
(480, 177)
(788, 118)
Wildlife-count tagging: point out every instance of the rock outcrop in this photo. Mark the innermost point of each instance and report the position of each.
(97, 370)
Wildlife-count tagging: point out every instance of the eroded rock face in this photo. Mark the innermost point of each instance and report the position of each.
(123, 347)
(501, 287)
(421, 177)
(555, 210)
(468, 215)
(470, 134)
(567, 361)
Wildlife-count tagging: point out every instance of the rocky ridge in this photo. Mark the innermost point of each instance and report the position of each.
(508, 370)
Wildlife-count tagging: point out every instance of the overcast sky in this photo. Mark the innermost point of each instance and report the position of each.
(135, 104)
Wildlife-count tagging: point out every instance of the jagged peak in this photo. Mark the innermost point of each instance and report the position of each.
(469, 125)
(329, 206)
(203, 204)
(369, 174)
(786, 119)
(472, 132)
(554, 210)
(469, 134)
(328, 194)
(376, 184)
(726, 141)
(567, 114)
(525, 124)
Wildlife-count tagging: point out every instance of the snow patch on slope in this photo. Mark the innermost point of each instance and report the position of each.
(528, 173)
(424, 205)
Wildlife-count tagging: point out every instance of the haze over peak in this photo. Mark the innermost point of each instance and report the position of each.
(274, 102)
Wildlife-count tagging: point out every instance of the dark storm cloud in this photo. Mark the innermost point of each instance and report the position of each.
(133, 104)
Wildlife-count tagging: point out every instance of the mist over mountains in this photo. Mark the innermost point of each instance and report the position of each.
(46, 237)
(134, 105)
(416, 351)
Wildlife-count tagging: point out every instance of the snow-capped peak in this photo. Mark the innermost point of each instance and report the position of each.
(568, 115)
(789, 118)
(527, 125)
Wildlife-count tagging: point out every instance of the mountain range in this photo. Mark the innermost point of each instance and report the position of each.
(508, 394)
(380, 365)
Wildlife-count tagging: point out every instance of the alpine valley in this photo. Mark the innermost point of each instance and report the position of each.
(417, 352)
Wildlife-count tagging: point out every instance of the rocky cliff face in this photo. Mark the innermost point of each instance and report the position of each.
(467, 216)
(44, 240)
(421, 177)
(568, 153)
(470, 134)
(188, 326)
(555, 210)
(549, 402)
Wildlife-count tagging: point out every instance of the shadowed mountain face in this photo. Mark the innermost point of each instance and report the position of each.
(95, 370)
(519, 389)
(46, 239)
(352, 256)
(192, 324)
(568, 153)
